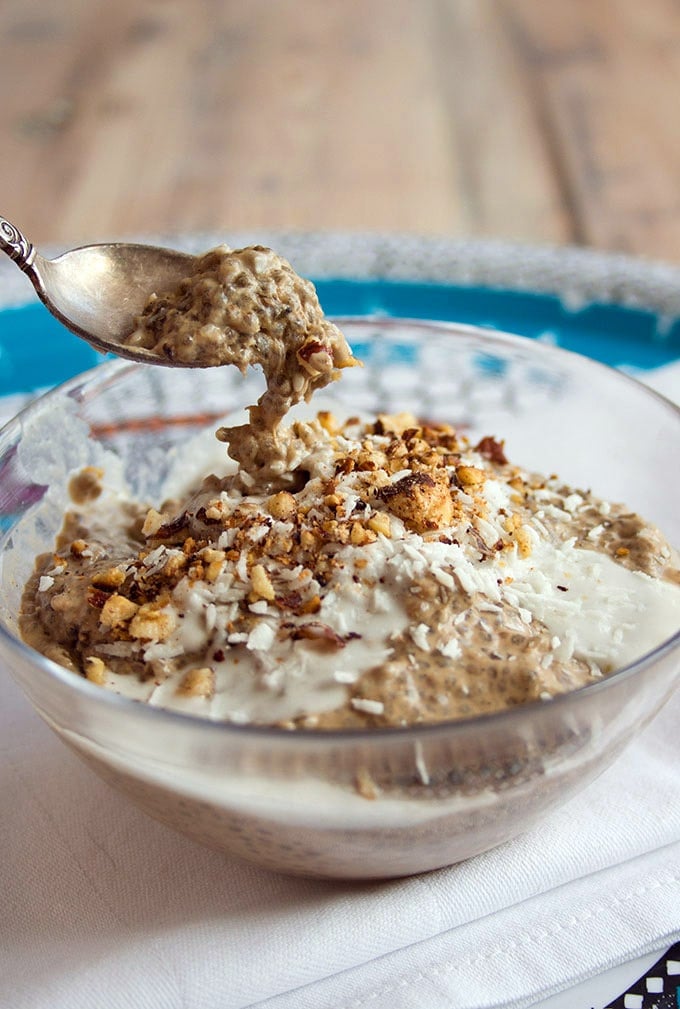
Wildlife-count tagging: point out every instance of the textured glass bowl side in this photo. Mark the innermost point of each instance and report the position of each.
(299, 802)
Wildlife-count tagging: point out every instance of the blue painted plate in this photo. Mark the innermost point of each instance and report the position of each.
(36, 351)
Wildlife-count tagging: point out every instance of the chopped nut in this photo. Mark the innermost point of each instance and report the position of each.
(95, 670)
(261, 583)
(152, 624)
(95, 598)
(214, 511)
(282, 506)
(153, 522)
(470, 476)
(78, 548)
(213, 571)
(360, 535)
(395, 423)
(111, 579)
(512, 522)
(197, 683)
(492, 450)
(197, 571)
(380, 523)
(327, 421)
(117, 610)
(174, 564)
(312, 605)
(208, 555)
(422, 500)
(308, 540)
(314, 356)
(172, 527)
(344, 466)
(213, 563)
(523, 540)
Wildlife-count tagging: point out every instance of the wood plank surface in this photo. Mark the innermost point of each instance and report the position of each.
(535, 120)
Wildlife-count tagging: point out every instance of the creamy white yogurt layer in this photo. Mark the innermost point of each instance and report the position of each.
(608, 614)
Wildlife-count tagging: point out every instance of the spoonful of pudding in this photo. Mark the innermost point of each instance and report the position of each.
(243, 307)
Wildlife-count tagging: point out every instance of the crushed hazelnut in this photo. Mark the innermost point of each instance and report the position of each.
(470, 476)
(261, 583)
(208, 554)
(113, 578)
(152, 624)
(380, 523)
(492, 450)
(327, 421)
(523, 540)
(360, 535)
(197, 683)
(512, 522)
(175, 563)
(95, 670)
(214, 511)
(312, 605)
(282, 506)
(422, 500)
(213, 571)
(153, 522)
(395, 423)
(117, 610)
(308, 540)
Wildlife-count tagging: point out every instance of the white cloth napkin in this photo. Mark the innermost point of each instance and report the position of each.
(102, 907)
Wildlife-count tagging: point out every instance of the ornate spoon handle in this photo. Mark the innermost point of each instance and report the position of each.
(17, 246)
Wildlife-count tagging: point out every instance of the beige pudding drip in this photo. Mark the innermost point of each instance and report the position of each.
(309, 358)
(248, 307)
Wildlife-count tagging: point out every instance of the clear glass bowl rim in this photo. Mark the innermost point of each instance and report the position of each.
(110, 370)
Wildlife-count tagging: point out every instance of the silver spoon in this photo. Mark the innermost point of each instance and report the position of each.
(97, 291)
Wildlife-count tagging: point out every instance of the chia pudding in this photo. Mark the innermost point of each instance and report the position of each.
(346, 573)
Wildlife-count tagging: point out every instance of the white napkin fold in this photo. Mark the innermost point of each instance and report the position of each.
(102, 907)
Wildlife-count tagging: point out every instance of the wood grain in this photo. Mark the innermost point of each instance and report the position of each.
(523, 119)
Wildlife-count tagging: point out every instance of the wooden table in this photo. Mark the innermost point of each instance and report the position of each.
(538, 120)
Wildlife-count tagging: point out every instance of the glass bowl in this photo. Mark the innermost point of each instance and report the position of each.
(294, 801)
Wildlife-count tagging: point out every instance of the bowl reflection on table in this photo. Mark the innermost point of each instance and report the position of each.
(293, 801)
